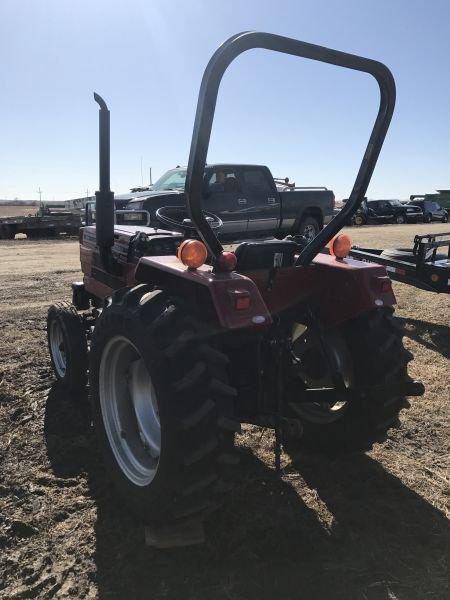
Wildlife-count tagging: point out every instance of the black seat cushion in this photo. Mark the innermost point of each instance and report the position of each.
(268, 254)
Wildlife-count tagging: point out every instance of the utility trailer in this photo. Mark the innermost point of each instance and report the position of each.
(45, 223)
(421, 267)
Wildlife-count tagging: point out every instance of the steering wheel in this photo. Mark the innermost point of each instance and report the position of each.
(176, 217)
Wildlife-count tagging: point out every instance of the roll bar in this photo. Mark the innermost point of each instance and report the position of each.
(204, 117)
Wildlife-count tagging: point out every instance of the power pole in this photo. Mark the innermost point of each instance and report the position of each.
(40, 194)
(150, 170)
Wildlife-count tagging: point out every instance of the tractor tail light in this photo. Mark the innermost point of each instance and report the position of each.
(240, 299)
(340, 245)
(192, 253)
(382, 284)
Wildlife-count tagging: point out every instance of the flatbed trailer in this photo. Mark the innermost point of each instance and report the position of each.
(43, 224)
(424, 268)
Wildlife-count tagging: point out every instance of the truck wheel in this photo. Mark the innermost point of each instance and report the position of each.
(309, 228)
(358, 220)
(400, 219)
(368, 352)
(67, 345)
(445, 219)
(162, 407)
(428, 217)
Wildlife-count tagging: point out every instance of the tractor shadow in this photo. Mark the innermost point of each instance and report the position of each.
(330, 529)
(431, 335)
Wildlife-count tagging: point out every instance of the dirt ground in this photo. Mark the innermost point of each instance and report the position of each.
(368, 526)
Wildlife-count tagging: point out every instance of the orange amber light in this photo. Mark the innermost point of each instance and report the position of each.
(192, 253)
(340, 245)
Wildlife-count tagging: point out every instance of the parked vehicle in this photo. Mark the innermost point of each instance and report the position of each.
(247, 200)
(187, 341)
(45, 223)
(431, 210)
(385, 211)
(442, 198)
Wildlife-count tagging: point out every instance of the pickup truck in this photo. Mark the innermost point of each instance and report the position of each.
(430, 209)
(248, 201)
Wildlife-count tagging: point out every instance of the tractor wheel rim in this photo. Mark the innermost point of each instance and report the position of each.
(57, 348)
(322, 412)
(130, 410)
(309, 232)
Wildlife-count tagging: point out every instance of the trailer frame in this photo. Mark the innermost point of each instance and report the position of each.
(425, 272)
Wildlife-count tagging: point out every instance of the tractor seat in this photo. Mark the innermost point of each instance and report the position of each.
(269, 254)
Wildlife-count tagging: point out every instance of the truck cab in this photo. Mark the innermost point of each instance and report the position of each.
(246, 199)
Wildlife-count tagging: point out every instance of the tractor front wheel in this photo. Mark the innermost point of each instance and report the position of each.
(162, 407)
(67, 344)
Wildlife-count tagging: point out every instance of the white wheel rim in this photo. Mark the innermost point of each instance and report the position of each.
(309, 232)
(129, 410)
(57, 348)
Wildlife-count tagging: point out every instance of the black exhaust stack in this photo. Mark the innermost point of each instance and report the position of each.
(104, 205)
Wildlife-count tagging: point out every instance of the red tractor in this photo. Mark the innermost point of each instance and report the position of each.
(184, 341)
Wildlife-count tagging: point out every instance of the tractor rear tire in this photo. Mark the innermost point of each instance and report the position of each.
(377, 354)
(167, 464)
(67, 345)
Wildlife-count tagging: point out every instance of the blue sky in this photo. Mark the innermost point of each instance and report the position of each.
(146, 58)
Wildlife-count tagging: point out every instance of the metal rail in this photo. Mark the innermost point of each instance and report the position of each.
(204, 117)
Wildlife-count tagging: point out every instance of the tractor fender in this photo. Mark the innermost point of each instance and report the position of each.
(235, 298)
(353, 288)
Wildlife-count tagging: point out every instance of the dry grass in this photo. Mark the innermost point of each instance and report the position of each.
(371, 526)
